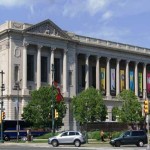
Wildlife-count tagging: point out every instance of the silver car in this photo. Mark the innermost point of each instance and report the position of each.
(67, 137)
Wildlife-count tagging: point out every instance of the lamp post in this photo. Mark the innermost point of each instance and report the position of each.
(2, 89)
(52, 106)
(17, 87)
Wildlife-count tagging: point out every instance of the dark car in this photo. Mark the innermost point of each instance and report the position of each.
(137, 137)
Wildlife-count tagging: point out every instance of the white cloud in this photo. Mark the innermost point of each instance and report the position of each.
(107, 15)
(14, 3)
(94, 6)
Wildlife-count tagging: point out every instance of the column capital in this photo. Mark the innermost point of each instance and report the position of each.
(25, 44)
(53, 48)
(127, 61)
(87, 55)
(108, 59)
(118, 59)
(98, 57)
(39, 47)
(136, 62)
(65, 51)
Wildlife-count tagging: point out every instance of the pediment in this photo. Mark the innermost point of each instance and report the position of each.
(47, 27)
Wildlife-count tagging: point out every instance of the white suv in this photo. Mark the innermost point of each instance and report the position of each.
(67, 137)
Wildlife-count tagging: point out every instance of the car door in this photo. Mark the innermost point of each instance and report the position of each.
(63, 138)
(72, 136)
(127, 138)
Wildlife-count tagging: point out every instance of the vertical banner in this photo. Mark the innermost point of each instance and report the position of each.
(113, 81)
(122, 80)
(131, 77)
(102, 80)
(148, 84)
(140, 84)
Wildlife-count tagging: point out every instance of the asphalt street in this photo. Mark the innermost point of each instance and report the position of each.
(45, 146)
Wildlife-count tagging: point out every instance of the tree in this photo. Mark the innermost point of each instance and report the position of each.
(131, 110)
(38, 110)
(89, 106)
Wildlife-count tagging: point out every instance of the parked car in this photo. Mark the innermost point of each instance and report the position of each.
(67, 137)
(137, 137)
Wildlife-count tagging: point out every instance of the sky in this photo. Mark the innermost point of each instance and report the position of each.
(123, 21)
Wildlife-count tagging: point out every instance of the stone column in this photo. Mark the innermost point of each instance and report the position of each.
(118, 77)
(24, 68)
(144, 81)
(65, 73)
(97, 73)
(51, 63)
(127, 75)
(136, 78)
(39, 66)
(87, 71)
(108, 77)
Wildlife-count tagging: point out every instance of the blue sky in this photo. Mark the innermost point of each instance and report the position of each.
(125, 21)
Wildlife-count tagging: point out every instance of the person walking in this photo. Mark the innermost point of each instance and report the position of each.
(102, 135)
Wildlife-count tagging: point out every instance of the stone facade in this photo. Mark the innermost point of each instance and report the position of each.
(80, 62)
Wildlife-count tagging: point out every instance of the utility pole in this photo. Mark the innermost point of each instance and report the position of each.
(1, 102)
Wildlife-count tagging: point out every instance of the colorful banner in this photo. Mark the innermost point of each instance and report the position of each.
(131, 77)
(102, 80)
(113, 79)
(140, 86)
(148, 83)
(122, 80)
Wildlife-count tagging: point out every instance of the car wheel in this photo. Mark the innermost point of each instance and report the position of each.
(117, 144)
(77, 143)
(55, 143)
(6, 138)
(140, 143)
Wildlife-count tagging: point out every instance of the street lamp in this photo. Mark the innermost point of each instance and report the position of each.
(2, 89)
(17, 87)
(52, 106)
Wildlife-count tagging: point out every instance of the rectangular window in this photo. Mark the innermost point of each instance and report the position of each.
(70, 77)
(30, 67)
(83, 75)
(16, 73)
(57, 70)
(43, 69)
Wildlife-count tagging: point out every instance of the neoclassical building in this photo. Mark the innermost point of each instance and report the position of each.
(28, 51)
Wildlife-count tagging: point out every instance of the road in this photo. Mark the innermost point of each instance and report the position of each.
(44, 146)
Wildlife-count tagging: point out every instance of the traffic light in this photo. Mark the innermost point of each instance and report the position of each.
(3, 115)
(146, 106)
(56, 114)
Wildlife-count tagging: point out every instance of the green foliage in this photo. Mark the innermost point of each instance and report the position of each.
(131, 110)
(88, 106)
(38, 110)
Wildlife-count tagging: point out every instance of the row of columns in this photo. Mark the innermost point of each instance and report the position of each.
(117, 75)
(52, 56)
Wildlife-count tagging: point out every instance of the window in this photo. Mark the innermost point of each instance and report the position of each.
(65, 134)
(57, 70)
(43, 69)
(77, 133)
(70, 77)
(30, 67)
(16, 73)
(71, 133)
(127, 133)
(83, 75)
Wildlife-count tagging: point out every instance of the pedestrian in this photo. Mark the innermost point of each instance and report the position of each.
(102, 135)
